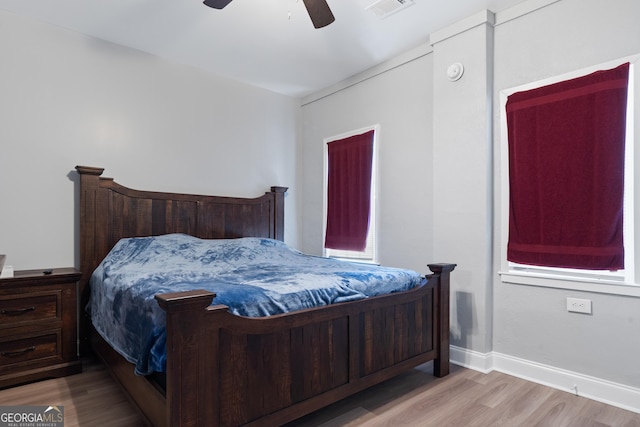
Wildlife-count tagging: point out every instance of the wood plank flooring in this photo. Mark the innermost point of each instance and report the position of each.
(90, 398)
(465, 398)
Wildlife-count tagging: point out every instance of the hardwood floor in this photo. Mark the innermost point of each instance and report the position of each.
(90, 398)
(465, 398)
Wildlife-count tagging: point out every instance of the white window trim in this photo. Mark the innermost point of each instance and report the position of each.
(372, 236)
(617, 283)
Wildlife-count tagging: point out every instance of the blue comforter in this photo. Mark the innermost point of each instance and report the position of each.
(252, 276)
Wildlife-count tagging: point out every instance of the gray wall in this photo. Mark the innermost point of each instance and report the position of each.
(398, 98)
(462, 175)
(67, 99)
(532, 322)
(455, 186)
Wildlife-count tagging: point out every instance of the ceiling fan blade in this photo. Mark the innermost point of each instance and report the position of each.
(216, 4)
(319, 13)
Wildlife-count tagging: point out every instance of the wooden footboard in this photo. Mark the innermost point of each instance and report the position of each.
(228, 370)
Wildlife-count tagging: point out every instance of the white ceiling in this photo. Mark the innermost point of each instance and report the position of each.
(267, 43)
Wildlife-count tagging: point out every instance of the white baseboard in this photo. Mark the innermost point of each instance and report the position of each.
(598, 389)
(471, 359)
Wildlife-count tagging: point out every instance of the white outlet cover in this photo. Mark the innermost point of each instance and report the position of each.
(579, 305)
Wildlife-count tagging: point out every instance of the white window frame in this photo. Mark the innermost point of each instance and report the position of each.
(610, 282)
(370, 254)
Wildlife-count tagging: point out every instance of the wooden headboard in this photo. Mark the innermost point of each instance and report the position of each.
(110, 212)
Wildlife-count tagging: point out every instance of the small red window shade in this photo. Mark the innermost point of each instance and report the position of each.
(566, 172)
(350, 163)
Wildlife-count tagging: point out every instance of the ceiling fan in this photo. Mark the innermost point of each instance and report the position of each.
(318, 10)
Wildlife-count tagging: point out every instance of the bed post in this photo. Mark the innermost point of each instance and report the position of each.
(278, 232)
(441, 363)
(89, 184)
(192, 362)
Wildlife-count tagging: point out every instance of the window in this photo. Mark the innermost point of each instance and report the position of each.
(350, 195)
(619, 281)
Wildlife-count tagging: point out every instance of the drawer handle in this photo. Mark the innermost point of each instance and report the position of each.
(17, 353)
(17, 312)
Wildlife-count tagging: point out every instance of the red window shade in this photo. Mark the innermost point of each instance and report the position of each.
(566, 172)
(350, 163)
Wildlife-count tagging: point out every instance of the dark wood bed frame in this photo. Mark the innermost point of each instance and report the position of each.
(227, 370)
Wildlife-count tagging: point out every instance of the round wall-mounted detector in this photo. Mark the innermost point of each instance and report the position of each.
(455, 71)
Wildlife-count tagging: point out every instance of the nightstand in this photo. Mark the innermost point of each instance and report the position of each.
(38, 325)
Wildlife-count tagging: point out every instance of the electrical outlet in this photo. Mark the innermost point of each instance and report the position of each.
(578, 305)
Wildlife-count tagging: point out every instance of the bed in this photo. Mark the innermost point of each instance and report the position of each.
(225, 369)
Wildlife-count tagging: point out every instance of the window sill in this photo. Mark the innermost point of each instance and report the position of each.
(601, 286)
(355, 260)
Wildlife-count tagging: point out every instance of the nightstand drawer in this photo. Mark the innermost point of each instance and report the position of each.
(20, 309)
(29, 349)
